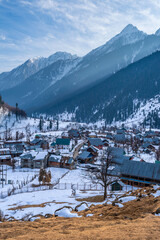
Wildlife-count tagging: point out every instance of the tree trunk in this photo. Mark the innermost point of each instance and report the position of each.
(105, 192)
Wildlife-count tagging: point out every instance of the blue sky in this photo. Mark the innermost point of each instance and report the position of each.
(30, 28)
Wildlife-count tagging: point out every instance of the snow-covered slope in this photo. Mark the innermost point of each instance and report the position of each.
(35, 90)
(3, 113)
(146, 113)
(157, 32)
(116, 98)
(129, 35)
(69, 76)
(30, 67)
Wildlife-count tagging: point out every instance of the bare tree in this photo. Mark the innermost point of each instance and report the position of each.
(103, 174)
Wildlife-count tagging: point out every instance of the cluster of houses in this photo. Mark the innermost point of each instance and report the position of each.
(81, 146)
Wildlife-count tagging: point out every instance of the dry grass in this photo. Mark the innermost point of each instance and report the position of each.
(35, 205)
(134, 221)
(83, 228)
(98, 198)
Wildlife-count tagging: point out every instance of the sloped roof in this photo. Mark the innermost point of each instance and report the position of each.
(85, 155)
(70, 161)
(63, 141)
(116, 152)
(26, 156)
(55, 158)
(93, 148)
(40, 156)
(74, 132)
(141, 169)
(120, 137)
(95, 141)
(35, 141)
(119, 160)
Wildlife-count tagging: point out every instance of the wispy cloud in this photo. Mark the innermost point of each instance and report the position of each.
(2, 37)
(42, 27)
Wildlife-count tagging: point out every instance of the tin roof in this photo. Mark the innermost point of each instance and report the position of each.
(85, 155)
(63, 141)
(141, 169)
(95, 141)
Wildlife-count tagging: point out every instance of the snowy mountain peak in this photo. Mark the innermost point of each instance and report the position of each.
(32, 60)
(129, 35)
(157, 33)
(129, 29)
(61, 56)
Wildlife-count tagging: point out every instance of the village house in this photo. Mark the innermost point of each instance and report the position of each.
(140, 173)
(120, 138)
(147, 147)
(40, 160)
(60, 161)
(117, 186)
(92, 135)
(5, 151)
(121, 131)
(16, 147)
(6, 160)
(86, 157)
(54, 160)
(62, 143)
(70, 164)
(39, 144)
(105, 143)
(96, 142)
(5, 156)
(27, 160)
(109, 136)
(34, 159)
(74, 134)
(93, 150)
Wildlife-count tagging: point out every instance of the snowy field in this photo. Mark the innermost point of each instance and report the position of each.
(47, 201)
(52, 199)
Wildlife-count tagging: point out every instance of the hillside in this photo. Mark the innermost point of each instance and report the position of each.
(6, 111)
(137, 219)
(118, 97)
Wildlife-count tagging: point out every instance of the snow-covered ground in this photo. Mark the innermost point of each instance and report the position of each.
(142, 112)
(51, 199)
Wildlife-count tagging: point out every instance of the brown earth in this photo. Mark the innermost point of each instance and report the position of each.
(136, 220)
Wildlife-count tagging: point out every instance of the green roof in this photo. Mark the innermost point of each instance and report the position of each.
(63, 141)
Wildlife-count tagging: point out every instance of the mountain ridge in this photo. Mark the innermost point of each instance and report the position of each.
(118, 97)
(66, 77)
